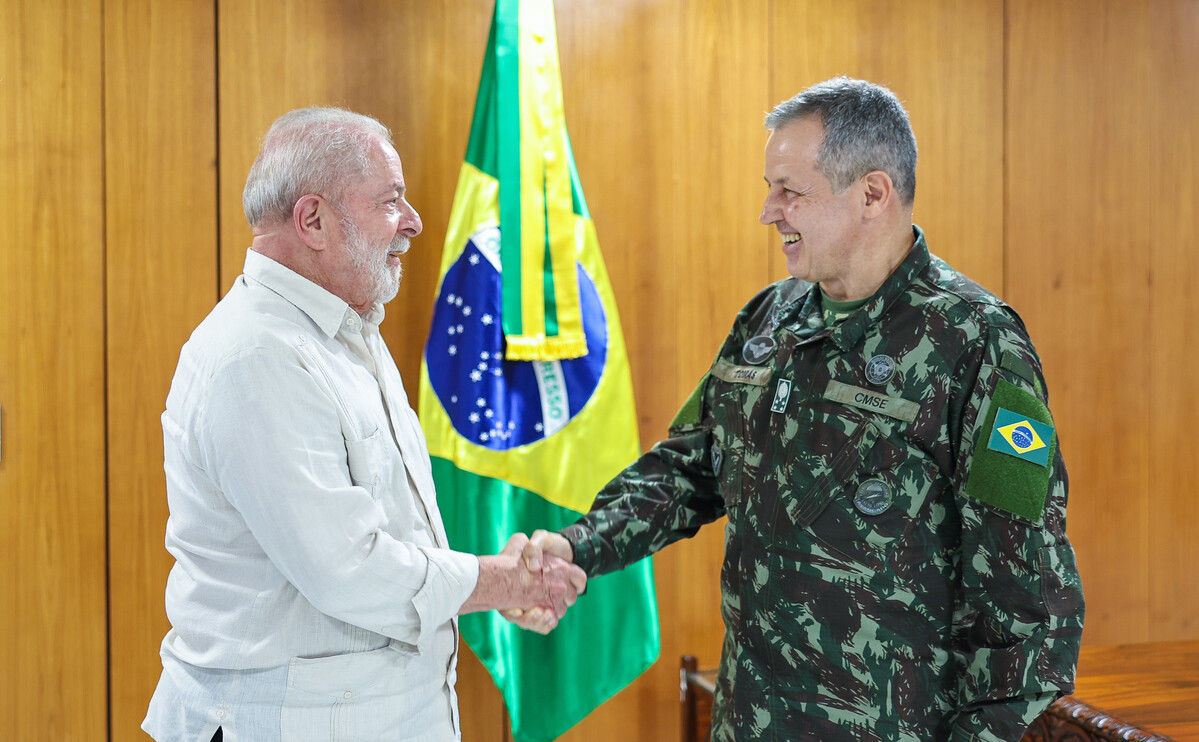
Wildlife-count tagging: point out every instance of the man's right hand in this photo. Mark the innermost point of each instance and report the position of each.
(533, 598)
(549, 551)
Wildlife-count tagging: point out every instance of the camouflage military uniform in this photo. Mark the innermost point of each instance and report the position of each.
(887, 575)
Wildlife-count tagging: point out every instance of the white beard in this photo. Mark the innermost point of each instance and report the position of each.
(385, 281)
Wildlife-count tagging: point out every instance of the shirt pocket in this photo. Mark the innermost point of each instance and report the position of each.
(346, 696)
(366, 459)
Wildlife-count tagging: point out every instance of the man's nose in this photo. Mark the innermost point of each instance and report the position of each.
(769, 213)
(410, 223)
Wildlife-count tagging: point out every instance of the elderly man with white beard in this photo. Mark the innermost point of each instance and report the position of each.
(314, 595)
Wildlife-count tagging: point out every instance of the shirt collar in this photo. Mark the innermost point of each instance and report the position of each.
(326, 310)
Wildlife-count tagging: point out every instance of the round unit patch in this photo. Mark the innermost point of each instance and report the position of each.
(880, 369)
(757, 349)
(873, 497)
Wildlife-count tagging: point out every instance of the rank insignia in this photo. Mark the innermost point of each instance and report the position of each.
(782, 393)
(1020, 436)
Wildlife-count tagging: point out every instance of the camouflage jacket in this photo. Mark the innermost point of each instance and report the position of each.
(896, 563)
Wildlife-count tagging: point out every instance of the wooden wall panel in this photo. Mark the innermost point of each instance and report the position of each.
(52, 604)
(945, 62)
(664, 103)
(1080, 186)
(1168, 326)
(161, 273)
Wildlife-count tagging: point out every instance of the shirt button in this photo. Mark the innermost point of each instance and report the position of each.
(349, 694)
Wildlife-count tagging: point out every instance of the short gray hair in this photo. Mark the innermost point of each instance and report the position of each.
(308, 151)
(865, 128)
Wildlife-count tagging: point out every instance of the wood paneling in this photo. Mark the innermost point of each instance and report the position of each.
(945, 62)
(161, 273)
(1166, 326)
(52, 609)
(1080, 190)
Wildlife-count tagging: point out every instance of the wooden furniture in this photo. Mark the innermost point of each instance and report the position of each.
(1128, 692)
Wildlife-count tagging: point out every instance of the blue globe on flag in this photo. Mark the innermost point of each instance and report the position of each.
(1022, 437)
(493, 402)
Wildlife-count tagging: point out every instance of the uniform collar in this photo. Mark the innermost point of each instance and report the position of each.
(849, 332)
(326, 310)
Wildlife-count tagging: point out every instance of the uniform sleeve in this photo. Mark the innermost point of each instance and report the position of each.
(664, 496)
(1019, 611)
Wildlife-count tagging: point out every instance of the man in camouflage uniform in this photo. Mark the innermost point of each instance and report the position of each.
(876, 430)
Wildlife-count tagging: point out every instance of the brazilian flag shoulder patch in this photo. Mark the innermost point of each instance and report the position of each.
(1021, 436)
(1014, 452)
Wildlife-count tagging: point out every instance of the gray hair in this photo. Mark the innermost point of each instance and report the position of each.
(308, 151)
(865, 128)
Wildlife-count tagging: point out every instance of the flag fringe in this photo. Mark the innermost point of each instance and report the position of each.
(545, 349)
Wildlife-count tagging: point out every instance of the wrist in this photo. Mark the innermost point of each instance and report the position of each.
(497, 585)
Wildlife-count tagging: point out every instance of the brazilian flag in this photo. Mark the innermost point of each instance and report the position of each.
(525, 392)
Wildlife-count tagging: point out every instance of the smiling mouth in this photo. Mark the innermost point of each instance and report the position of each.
(790, 238)
(399, 246)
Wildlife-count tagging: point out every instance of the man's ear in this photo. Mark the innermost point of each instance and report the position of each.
(312, 218)
(878, 192)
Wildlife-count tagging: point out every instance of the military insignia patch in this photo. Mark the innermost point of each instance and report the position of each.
(781, 394)
(1015, 431)
(758, 349)
(880, 369)
(1020, 436)
(873, 497)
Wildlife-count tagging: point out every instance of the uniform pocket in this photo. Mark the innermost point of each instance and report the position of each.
(865, 505)
(736, 403)
(805, 508)
(1061, 588)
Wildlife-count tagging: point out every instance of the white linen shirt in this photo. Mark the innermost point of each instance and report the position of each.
(313, 595)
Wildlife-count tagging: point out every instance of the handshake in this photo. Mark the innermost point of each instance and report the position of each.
(531, 582)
